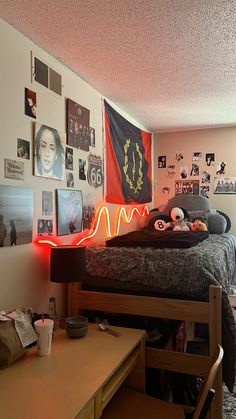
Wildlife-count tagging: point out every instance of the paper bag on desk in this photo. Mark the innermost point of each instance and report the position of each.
(11, 343)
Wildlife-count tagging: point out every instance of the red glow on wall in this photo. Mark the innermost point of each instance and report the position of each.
(122, 215)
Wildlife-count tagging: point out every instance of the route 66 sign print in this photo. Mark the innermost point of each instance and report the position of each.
(94, 174)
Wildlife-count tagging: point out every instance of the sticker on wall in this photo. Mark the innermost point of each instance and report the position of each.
(183, 172)
(206, 177)
(49, 152)
(78, 129)
(30, 103)
(69, 211)
(166, 190)
(16, 213)
(95, 175)
(82, 169)
(69, 180)
(23, 149)
(225, 185)
(47, 205)
(171, 170)
(205, 191)
(161, 162)
(69, 158)
(197, 155)
(13, 169)
(220, 168)
(92, 136)
(210, 159)
(195, 170)
(179, 155)
(187, 187)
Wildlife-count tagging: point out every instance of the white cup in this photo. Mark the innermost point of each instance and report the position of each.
(43, 329)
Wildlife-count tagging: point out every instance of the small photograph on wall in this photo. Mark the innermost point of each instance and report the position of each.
(16, 213)
(206, 176)
(183, 172)
(82, 169)
(88, 216)
(205, 191)
(179, 155)
(161, 162)
(78, 129)
(49, 152)
(45, 227)
(13, 169)
(195, 170)
(69, 158)
(187, 187)
(92, 136)
(166, 190)
(30, 103)
(210, 159)
(69, 211)
(171, 170)
(47, 205)
(225, 185)
(69, 180)
(220, 168)
(197, 155)
(23, 149)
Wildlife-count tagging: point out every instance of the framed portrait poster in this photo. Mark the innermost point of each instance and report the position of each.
(49, 152)
(69, 211)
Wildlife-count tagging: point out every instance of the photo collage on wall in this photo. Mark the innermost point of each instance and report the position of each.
(203, 176)
(68, 156)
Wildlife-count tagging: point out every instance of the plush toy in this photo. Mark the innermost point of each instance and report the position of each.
(178, 222)
(198, 225)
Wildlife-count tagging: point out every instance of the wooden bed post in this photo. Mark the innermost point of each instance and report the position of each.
(215, 336)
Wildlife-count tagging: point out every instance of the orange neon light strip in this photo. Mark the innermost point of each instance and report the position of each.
(122, 213)
(97, 225)
(127, 218)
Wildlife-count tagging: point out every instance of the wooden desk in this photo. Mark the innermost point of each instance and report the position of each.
(77, 380)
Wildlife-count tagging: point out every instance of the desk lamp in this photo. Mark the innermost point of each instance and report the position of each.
(68, 265)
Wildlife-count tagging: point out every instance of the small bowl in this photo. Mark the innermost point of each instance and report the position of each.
(76, 326)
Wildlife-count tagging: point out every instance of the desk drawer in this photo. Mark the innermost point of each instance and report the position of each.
(119, 376)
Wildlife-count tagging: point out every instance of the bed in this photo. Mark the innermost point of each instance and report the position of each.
(190, 282)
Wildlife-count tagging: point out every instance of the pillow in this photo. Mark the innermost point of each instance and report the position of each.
(203, 215)
(217, 224)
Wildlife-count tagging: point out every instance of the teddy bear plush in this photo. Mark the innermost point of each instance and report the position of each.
(198, 225)
(178, 216)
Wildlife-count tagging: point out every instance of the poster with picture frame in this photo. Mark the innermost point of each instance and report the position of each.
(224, 185)
(69, 209)
(187, 187)
(16, 215)
(78, 125)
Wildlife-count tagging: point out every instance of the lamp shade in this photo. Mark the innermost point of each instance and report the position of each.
(68, 264)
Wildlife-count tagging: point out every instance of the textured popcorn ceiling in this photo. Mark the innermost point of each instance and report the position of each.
(170, 64)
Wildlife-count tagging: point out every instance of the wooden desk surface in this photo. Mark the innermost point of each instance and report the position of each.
(59, 385)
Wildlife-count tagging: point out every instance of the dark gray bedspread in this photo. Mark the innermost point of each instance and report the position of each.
(186, 272)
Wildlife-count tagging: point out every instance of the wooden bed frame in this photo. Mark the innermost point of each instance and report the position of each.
(192, 311)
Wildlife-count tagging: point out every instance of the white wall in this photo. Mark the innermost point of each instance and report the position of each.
(221, 141)
(24, 279)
